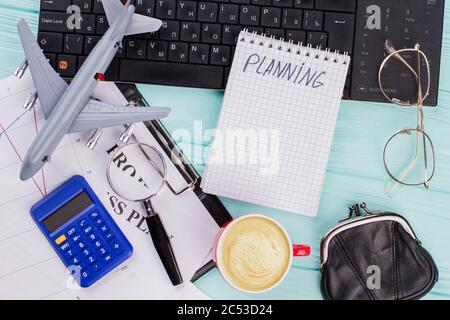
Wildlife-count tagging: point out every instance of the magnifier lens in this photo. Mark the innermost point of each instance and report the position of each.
(136, 171)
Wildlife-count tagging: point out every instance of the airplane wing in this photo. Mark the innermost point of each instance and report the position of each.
(49, 85)
(97, 114)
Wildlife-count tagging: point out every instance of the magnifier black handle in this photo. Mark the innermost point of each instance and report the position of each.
(162, 245)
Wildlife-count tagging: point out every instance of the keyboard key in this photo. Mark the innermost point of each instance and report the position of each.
(61, 239)
(262, 2)
(292, 19)
(340, 27)
(307, 4)
(112, 73)
(169, 30)
(55, 5)
(220, 55)
(84, 5)
(156, 50)
(53, 21)
(178, 52)
(276, 33)
(145, 7)
(66, 65)
(312, 20)
(73, 43)
(199, 53)
(87, 24)
(50, 42)
(163, 73)
(259, 30)
(207, 12)
(333, 5)
(228, 13)
(51, 59)
(109, 236)
(230, 34)
(317, 39)
(249, 15)
(296, 36)
(101, 25)
(187, 10)
(282, 3)
(117, 247)
(190, 31)
(211, 33)
(270, 17)
(98, 7)
(165, 9)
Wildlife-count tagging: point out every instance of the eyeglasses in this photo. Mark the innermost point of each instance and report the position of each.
(408, 155)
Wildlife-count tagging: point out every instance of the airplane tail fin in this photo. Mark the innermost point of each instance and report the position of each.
(139, 23)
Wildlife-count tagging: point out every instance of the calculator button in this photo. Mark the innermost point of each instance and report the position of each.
(85, 274)
(87, 252)
(76, 238)
(104, 229)
(96, 266)
(62, 238)
(70, 253)
(107, 258)
(88, 230)
(98, 244)
(84, 223)
(81, 245)
(98, 222)
(91, 260)
(75, 261)
(102, 251)
(94, 215)
(109, 236)
(92, 237)
(65, 246)
(117, 247)
(71, 231)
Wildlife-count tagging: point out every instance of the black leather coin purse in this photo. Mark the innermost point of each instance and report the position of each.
(374, 256)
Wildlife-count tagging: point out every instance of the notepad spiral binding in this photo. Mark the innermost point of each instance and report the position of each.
(297, 48)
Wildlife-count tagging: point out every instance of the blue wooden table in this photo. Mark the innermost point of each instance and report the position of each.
(355, 171)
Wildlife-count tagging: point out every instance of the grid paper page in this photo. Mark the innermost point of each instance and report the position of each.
(284, 166)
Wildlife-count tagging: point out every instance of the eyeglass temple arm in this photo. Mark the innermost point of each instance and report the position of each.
(390, 49)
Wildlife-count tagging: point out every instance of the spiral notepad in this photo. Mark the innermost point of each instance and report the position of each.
(276, 125)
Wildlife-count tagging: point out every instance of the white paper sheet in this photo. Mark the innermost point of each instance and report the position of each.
(30, 269)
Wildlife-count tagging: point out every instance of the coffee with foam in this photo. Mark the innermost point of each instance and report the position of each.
(254, 254)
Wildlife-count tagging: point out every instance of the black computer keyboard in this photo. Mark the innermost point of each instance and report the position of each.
(195, 46)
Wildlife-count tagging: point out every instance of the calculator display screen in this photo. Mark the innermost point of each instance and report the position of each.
(67, 211)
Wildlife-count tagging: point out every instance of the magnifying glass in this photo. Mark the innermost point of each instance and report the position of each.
(137, 172)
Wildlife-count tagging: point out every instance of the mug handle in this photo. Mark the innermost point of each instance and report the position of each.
(300, 250)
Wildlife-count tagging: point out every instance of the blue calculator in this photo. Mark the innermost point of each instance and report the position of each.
(81, 231)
